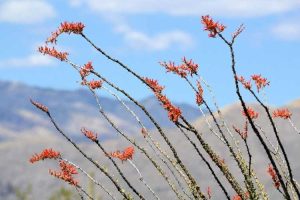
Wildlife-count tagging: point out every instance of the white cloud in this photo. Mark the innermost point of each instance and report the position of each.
(25, 11)
(34, 60)
(287, 31)
(224, 8)
(160, 41)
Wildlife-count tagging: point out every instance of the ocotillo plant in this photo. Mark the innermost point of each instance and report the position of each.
(163, 154)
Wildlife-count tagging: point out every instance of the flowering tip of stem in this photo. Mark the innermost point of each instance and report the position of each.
(40, 106)
(45, 154)
(211, 26)
(123, 156)
(66, 27)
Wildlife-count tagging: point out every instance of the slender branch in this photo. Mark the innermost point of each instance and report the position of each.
(206, 162)
(90, 177)
(230, 45)
(279, 141)
(121, 190)
(141, 178)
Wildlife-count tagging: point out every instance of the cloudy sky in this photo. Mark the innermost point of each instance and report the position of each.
(143, 32)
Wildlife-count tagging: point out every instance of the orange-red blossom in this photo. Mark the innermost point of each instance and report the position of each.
(63, 56)
(173, 112)
(66, 27)
(89, 134)
(282, 113)
(66, 172)
(123, 156)
(213, 27)
(251, 113)
(45, 154)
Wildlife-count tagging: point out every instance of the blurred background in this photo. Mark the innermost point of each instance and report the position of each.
(140, 34)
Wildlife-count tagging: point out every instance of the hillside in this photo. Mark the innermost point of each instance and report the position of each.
(16, 171)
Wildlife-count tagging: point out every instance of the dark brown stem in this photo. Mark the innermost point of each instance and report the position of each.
(217, 160)
(159, 169)
(166, 139)
(249, 155)
(230, 45)
(247, 177)
(279, 142)
(205, 161)
(119, 171)
(126, 196)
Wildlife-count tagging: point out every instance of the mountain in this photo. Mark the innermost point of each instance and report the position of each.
(17, 172)
(73, 109)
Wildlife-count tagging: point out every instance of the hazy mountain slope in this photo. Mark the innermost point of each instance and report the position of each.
(72, 109)
(16, 171)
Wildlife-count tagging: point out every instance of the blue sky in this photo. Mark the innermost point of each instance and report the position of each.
(143, 32)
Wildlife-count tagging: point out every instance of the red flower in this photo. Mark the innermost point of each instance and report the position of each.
(45, 154)
(53, 52)
(89, 134)
(283, 113)
(171, 67)
(247, 84)
(66, 173)
(213, 27)
(260, 81)
(173, 112)
(85, 70)
(66, 27)
(154, 85)
(39, 106)
(274, 176)
(92, 84)
(199, 94)
(192, 67)
(187, 67)
(251, 113)
(125, 155)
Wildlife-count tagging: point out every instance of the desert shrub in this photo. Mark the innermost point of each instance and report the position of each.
(156, 146)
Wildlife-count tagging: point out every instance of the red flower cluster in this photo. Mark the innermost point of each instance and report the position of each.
(53, 52)
(39, 106)
(199, 94)
(187, 67)
(273, 174)
(251, 113)
(244, 133)
(283, 113)
(85, 70)
(92, 84)
(89, 134)
(213, 27)
(154, 85)
(66, 173)
(66, 27)
(173, 112)
(192, 67)
(247, 84)
(260, 81)
(123, 156)
(45, 154)
(171, 67)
